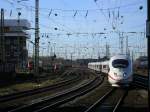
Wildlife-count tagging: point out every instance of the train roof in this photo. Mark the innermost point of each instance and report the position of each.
(120, 56)
(93, 63)
(98, 63)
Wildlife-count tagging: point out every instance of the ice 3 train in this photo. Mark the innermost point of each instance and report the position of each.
(118, 70)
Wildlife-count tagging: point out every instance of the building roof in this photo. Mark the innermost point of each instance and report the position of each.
(14, 23)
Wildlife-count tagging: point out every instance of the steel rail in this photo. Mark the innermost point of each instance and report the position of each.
(141, 78)
(140, 81)
(68, 99)
(140, 84)
(120, 101)
(18, 95)
(98, 102)
(136, 76)
(60, 98)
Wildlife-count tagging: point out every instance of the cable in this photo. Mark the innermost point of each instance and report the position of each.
(85, 10)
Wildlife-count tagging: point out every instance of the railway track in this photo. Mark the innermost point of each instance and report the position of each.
(38, 90)
(109, 102)
(140, 81)
(52, 102)
(17, 100)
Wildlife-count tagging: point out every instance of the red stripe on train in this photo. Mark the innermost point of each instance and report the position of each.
(112, 77)
(118, 79)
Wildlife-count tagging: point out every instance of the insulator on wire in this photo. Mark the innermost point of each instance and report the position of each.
(118, 13)
(50, 12)
(141, 7)
(10, 12)
(86, 13)
(55, 28)
(75, 14)
(95, 0)
(69, 34)
(19, 13)
(56, 14)
(109, 13)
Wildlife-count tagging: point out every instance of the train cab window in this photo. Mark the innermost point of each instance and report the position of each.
(120, 63)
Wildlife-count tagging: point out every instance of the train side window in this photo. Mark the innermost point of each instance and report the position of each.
(104, 66)
(108, 69)
(100, 67)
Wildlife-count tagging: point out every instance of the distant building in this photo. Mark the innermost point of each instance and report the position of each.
(13, 51)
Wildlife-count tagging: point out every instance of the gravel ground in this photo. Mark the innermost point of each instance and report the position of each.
(89, 98)
(24, 86)
(39, 97)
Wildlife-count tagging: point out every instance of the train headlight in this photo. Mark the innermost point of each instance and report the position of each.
(124, 74)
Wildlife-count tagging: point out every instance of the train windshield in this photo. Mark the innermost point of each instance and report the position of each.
(120, 63)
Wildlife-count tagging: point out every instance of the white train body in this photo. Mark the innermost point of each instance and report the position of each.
(99, 66)
(118, 68)
(120, 72)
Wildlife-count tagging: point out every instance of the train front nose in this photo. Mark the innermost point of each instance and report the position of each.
(117, 76)
(122, 75)
(123, 78)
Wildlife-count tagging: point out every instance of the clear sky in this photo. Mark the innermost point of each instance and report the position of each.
(80, 22)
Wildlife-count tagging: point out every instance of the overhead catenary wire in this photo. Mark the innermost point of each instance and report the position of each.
(104, 9)
(76, 10)
(69, 32)
(85, 10)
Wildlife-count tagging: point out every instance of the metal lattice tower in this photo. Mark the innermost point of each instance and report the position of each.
(36, 61)
(127, 48)
(121, 42)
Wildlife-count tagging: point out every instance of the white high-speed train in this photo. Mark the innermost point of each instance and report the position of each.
(118, 68)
